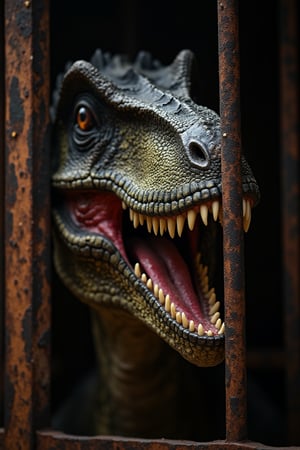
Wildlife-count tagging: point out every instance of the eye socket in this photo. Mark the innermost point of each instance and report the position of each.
(84, 118)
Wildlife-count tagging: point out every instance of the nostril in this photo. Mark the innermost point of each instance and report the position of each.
(198, 153)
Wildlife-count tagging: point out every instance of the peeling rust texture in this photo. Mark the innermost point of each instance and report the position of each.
(290, 177)
(50, 440)
(27, 222)
(233, 246)
(1, 210)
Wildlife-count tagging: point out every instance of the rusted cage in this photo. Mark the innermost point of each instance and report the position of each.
(25, 246)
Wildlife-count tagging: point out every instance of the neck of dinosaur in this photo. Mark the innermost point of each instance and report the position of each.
(137, 398)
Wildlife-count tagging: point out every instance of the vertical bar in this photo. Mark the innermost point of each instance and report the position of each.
(290, 121)
(1, 206)
(234, 293)
(27, 279)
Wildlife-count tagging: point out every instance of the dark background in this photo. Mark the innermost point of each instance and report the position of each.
(164, 28)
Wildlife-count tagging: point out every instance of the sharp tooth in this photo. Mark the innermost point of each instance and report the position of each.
(214, 308)
(204, 213)
(136, 219)
(156, 290)
(249, 209)
(192, 326)
(180, 224)
(131, 215)
(149, 224)
(222, 329)
(141, 219)
(218, 324)
(167, 298)
(215, 317)
(204, 283)
(161, 296)
(162, 226)
(211, 291)
(155, 224)
(209, 333)
(144, 278)
(247, 226)
(244, 207)
(178, 317)
(185, 321)
(191, 218)
(173, 310)
(124, 206)
(167, 303)
(215, 209)
(200, 329)
(149, 284)
(137, 270)
(247, 217)
(171, 227)
(212, 299)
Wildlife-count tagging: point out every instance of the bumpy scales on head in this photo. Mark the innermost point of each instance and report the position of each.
(137, 197)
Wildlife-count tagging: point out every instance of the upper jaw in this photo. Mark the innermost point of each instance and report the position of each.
(174, 225)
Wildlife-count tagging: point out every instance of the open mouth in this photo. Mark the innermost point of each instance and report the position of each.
(172, 256)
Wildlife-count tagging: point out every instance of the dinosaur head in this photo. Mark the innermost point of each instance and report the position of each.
(137, 197)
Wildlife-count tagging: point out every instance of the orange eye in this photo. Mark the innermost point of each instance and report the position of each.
(84, 119)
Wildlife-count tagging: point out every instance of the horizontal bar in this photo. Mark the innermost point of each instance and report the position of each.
(48, 440)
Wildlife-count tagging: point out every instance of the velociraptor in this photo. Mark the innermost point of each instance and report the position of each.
(137, 204)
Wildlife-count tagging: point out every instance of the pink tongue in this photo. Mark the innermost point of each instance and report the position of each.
(159, 258)
(161, 261)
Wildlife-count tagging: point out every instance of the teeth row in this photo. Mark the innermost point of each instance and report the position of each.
(160, 225)
(210, 295)
(179, 316)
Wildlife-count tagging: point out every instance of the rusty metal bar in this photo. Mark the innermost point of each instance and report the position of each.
(1, 208)
(290, 179)
(234, 293)
(27, 224)
(48, 440)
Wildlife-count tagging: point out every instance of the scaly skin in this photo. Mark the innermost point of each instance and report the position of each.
(129, 141)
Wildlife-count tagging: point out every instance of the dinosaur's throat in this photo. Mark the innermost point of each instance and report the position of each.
(176, 277)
